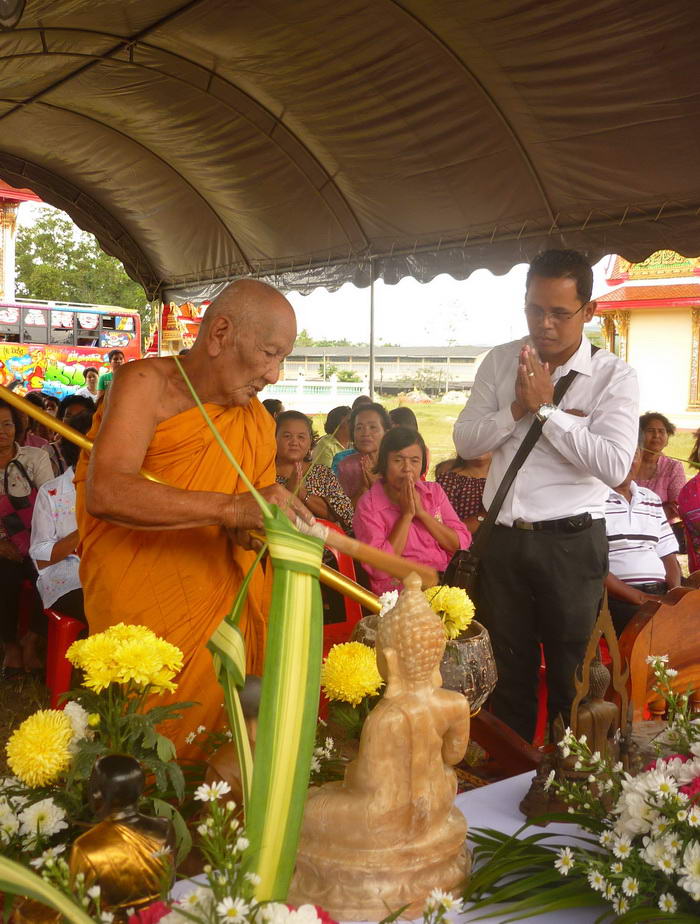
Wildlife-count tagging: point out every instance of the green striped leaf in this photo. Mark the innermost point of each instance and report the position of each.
(288, 707)
(18, 880)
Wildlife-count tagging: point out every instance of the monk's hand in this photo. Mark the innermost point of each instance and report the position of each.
(533, 384)
(246, 541)
(244, 512)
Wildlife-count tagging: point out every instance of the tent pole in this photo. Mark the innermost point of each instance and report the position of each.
(161, 309)
(371, 328)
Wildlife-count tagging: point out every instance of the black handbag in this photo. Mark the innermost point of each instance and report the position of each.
(463, 569)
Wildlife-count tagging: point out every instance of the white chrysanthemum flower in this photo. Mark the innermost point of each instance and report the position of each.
(94, 891)
(607, 838)
(609, 892)
(241, 844)
(211, 792)
(616, 867)
(667, 902)
(202, 728)
(596, 880)
(689, 878)
(620, 904)
(272, 913)
(194, 898)
(671, 672)
(106, 917)
(550, 779)
(79, 723)
(565, 861)
(190, 738)
(439, 900)
(304, 914)
(630, 886)
(387, 601)
(252, 878)
(693, 818)
(315, 764)
(9, 823)
(42, 819)
(657, 659)
(233, 910)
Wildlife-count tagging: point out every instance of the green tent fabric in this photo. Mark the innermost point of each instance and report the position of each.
(313, 142)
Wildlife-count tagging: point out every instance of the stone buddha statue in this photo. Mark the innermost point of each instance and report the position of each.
(129, 855)
(389, 833)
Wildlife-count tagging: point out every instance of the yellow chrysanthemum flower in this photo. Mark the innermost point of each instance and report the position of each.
(124, 654)
(37, 751)
(453, 606)
(350, 673)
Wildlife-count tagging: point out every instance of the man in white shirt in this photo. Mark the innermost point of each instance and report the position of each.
(542, 571)
(641, 546)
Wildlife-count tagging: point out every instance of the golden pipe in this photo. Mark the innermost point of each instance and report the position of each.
(329, 577)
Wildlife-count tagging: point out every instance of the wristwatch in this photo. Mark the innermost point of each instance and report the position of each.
(544, 412)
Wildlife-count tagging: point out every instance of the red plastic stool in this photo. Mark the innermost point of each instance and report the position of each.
(63, 631)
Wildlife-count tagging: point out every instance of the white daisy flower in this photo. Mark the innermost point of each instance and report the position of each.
(667, 902)
(622, 847)
(620, 904)
(42, 819)
(630, 886)
(550, 779)
(211, 792)
(565, 861)
(232, 910)
(596, 880)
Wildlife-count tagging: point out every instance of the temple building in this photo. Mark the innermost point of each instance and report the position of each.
(651, 319)
(10, 199)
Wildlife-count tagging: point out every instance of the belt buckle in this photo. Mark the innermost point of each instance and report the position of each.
(523, 524)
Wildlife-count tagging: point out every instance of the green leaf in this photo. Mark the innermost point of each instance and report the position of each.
(165, 748)
(183, 838)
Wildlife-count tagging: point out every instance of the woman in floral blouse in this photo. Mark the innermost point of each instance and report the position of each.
(463, 481)
(316, 485)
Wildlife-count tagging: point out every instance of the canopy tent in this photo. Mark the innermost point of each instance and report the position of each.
(317, 142)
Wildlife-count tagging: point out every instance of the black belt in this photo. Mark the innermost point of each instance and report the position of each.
(573, 524)
(652, 587)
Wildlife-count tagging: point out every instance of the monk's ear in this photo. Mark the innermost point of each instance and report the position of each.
(220, 335)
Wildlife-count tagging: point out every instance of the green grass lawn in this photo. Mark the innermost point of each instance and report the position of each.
(435, 422)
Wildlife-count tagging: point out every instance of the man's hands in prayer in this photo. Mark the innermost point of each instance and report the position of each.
(533, 384)
(244, 514)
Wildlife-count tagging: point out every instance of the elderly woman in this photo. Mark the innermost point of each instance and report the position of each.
(23, 469)
(657, 472)
(356, 474)
(70, 407)
(316, 485)
(463, 480)
(404, 515)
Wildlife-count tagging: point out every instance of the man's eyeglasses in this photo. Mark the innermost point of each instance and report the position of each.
(557, 315)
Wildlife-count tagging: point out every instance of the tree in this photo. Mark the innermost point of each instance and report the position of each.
(57, 261)
(348, 375)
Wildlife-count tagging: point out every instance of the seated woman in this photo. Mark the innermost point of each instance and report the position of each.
(463, 480)
(55, 534)
(337, 438)
(23, 469)
(404, 515)
(657, 472)
(368, 424)
(69, 408)
(316, 484)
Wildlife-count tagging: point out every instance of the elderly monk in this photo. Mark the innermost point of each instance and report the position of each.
(172, 556)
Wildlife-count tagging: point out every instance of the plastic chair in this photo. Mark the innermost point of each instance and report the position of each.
(63, 631)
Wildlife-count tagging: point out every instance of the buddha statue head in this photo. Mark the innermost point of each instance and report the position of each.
(115, 785)
(410, 642)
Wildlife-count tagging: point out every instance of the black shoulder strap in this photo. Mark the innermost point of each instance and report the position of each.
(23, 472)
(524, 450)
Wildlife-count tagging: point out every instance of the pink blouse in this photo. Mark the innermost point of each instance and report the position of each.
(376, 516)
(668, 480)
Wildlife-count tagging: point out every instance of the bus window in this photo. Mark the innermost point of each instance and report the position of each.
(87, 329)
(34, 328)
(117, 322)
(62, 327)
(9, 324)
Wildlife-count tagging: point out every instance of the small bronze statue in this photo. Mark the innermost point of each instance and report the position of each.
(129, 855)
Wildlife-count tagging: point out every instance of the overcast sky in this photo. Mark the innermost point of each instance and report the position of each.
(483, 309)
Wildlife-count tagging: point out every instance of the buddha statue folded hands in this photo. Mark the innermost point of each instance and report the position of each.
(389, 833)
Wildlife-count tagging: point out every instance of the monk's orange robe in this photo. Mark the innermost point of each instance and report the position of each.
(181, 583)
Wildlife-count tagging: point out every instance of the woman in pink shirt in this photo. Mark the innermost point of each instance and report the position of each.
(657, 472)
(404, 515)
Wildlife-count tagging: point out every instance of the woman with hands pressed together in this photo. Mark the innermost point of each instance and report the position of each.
(356, 472)
(404, 515)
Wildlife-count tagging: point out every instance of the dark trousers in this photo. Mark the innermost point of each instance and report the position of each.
(622, 611)
(539, 586)
(71, 604)
(12, 576)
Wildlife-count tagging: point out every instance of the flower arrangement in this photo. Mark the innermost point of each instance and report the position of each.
(453, 606)
(52, 752)
(643, 858)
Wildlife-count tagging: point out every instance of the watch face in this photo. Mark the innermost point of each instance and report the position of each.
(10, 13)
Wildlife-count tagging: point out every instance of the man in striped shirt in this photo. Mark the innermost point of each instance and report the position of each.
(642, 548)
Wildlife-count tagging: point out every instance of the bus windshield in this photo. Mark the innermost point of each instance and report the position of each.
(48, 346)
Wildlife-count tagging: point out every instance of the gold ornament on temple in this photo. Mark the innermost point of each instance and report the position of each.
(389, 834)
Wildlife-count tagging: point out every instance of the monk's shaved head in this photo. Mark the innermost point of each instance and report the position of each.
(249, 301)
(245, 336)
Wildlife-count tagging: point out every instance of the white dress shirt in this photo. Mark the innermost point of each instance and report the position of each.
(638, 536)
(576, 459)
(54, 518)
